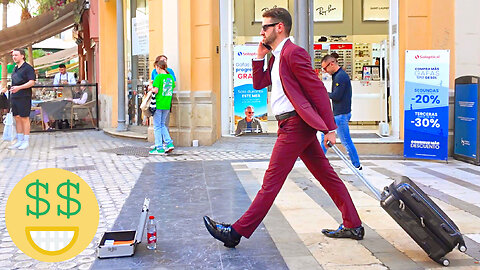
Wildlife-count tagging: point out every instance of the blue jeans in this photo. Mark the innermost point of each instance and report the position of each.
(160, 129)
(344, 134)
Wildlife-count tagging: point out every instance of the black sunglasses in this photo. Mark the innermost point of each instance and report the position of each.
(266, 26)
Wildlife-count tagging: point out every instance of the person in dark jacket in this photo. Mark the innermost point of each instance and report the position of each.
(341, 97)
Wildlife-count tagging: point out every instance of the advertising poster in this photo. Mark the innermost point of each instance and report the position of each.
(140, 35)
(250, 105)
(426, 104)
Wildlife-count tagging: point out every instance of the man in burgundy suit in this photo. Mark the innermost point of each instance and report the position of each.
(301, 105)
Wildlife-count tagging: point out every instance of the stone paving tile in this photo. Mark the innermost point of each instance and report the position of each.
(113, 176)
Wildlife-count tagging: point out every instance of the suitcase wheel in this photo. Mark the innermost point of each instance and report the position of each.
(462, 248)
(444, 262)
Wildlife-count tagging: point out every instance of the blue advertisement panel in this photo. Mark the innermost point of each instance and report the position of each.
(466, 108)
(426, 104)
(250, 105)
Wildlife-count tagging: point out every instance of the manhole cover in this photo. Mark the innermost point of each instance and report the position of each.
(129, 151)
(81, 168)
(65, 147)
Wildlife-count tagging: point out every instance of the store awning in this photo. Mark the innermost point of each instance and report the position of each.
(69, 67)
(56, 58)
(37, 28)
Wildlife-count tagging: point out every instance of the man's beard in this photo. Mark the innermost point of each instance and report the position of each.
(270, 39)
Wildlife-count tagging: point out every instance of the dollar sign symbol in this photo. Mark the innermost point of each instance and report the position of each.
(68, 198)
(37, 198)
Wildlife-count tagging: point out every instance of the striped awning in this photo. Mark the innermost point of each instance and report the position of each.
(56, 58)
(38, 28)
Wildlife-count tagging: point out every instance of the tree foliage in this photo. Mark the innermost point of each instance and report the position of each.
(46, 5)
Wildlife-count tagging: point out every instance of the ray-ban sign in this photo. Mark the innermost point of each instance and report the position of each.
(328, 11)
(263, 5)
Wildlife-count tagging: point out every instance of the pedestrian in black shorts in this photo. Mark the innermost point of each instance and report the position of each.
(23, 78)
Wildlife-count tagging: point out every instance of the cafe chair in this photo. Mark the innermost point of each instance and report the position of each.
(87, 106)
(35, 108)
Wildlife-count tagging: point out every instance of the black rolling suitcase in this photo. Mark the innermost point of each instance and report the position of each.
(417, 214)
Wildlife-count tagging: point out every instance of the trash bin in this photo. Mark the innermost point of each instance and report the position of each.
(466, 121)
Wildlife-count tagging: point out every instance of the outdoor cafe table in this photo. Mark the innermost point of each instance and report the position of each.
(53, 107)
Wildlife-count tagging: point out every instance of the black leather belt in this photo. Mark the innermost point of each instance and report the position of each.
(286, 115)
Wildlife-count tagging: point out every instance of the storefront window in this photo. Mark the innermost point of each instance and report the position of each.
(137, 57)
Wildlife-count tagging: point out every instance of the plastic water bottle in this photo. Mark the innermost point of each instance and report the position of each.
(151, 233)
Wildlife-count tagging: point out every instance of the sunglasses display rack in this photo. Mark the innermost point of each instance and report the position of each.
(319, 51)
(363, 57)
(344, 51)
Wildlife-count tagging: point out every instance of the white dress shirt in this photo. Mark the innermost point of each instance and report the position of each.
(67, 77)
(280, 102)
(81, 100)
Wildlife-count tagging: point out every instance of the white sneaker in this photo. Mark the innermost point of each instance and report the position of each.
(15, 145)
(23, 146)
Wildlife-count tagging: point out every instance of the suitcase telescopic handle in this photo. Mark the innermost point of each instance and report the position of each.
(373, 189)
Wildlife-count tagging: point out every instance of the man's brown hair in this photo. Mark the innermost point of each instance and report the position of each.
(280, 15)
(21, 51)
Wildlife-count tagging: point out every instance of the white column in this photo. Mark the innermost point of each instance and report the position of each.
(394, 69)
(467, 38)
(226, 66)
(171, 37)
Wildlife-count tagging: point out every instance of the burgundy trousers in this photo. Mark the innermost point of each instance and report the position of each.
(296, 139)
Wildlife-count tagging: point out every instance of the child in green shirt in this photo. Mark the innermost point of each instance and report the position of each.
(163, 85)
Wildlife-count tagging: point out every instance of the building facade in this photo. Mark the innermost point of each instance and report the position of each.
(198, 36)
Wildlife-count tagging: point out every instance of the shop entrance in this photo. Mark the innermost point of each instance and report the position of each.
(357, 31)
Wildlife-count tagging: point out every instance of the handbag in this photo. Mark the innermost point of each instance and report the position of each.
(145, 106)
(3, 101)
(9, 131)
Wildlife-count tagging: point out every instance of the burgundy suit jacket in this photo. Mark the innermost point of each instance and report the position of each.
(301, 84)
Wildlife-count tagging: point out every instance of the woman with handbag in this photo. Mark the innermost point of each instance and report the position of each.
(162, 88)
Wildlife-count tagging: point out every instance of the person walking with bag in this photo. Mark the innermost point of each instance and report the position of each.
(23, 78)
(162, 89)
(341, 97)
(301, 106)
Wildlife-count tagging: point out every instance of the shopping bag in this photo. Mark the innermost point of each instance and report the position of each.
(9, 131)
(147, 99)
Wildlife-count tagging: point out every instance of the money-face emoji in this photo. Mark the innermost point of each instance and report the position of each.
(52, 215)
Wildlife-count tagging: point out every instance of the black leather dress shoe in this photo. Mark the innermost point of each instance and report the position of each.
(223, 232)
(342, 232)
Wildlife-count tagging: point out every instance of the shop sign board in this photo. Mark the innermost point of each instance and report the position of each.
(263, 5)
(140, 35)
(427, 74)
(328, 10)
(466, 120)
(376, 10)
(244, 94)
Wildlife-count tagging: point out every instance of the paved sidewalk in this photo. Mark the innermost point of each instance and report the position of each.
(221, 180)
